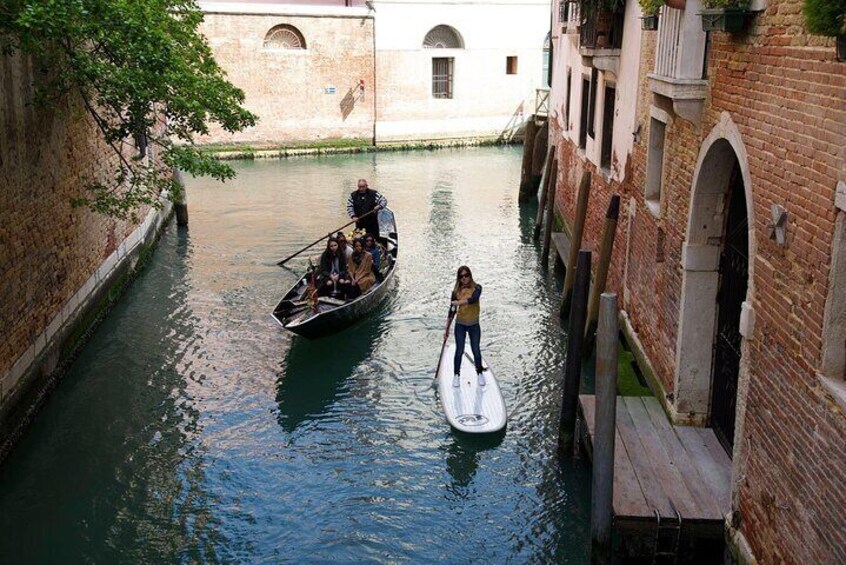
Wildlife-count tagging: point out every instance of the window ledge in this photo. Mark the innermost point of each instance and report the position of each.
(688, 95)
(654, 207)
(836, 389)
(604, 59)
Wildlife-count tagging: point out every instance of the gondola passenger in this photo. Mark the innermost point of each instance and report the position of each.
(333, 278)
(374, 249)
(360, 267)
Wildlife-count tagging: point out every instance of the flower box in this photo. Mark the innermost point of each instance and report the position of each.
(649, 22)
(731, 20)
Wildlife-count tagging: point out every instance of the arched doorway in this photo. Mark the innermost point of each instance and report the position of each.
(734, 276)
(714, 313)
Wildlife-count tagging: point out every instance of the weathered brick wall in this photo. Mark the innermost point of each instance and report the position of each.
(47, 248)
(787, 95)
(287, 88)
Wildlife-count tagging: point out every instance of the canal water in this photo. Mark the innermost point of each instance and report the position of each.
(192, 428)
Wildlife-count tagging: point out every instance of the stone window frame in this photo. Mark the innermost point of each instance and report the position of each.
(603, 140)
(653, 186)
(832, 374)
(290, 32)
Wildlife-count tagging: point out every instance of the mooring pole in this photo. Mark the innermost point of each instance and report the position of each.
(538, 155)
(180, 204)
(550, 214)
(573, 364)
(605, 249)
(575, 243)
(604, 430)
(528, 153)
(544, 191)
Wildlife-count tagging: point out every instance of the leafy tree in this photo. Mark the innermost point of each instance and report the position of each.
(145, 75)
(825, 17)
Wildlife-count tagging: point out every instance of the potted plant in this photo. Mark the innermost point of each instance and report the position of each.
(828, 17)
(724, 15)
(650, 8)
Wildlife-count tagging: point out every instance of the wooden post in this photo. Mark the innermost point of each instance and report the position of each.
(575, 243)
(180, 204)
(528, 153)
(573, 365)
(538, 155)
(544, 191)
(550, 214)
(604, 430)
(605, 249)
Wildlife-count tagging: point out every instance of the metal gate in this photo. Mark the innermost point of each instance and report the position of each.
(734, 274)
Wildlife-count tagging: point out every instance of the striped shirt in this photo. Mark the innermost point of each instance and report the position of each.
(377, 198)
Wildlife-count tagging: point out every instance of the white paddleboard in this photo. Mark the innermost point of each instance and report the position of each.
(469, 407)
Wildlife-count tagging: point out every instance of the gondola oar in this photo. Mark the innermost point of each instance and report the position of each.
(443, 346)
(312, 244)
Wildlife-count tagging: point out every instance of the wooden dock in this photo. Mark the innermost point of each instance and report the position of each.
(664, 468)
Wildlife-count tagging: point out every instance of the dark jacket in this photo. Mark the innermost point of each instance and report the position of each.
(328, 266)
(358, 204)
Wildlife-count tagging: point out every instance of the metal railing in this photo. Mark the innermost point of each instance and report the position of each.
(600, 29)
(541, 101)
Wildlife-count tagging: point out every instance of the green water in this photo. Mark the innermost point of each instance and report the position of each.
(193, 429)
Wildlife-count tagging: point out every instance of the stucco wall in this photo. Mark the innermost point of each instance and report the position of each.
(485, 99)
(291, 90)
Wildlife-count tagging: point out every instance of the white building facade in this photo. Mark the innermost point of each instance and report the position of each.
(386, 71)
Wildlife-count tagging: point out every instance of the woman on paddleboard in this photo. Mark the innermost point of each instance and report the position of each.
(465, 308)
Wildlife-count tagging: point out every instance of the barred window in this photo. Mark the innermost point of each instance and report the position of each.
(442, 70)
(284, 37)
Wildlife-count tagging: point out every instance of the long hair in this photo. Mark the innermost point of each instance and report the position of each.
(463, 269)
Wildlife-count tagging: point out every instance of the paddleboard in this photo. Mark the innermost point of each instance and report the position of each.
(469, 407)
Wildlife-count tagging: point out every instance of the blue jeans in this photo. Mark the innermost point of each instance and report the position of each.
(461, 332)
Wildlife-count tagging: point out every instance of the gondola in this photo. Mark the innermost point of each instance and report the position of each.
(297, 314)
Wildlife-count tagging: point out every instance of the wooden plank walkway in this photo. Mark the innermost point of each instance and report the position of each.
(658, 466)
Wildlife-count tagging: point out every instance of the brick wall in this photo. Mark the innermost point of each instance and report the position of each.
(787, 95)
(287, 88)
(48, 249)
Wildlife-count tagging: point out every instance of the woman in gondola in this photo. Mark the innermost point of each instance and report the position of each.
(333, 278)
(360, 268)
(465, 308)
(371, 246)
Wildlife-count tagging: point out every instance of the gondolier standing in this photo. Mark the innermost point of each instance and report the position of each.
(362, 201)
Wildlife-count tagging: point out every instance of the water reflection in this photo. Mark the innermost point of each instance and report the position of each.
(194, 429)
(313, 373)
(462, 457)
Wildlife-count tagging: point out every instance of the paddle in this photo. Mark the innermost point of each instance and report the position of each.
(443, 346)
(312, 244)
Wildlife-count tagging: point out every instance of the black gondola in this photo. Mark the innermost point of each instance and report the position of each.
(328, 315)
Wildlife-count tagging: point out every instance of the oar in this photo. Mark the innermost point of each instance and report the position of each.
(312, 244)
(443, 346)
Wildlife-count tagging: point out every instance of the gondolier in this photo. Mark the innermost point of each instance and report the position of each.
(361, 201)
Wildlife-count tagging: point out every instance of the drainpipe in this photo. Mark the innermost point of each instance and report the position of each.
(375, 82)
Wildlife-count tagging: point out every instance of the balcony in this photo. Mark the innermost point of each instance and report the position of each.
(569, 15)
(680, 61)
(601, 35)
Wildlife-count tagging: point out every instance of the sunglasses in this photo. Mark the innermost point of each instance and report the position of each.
(464, 276)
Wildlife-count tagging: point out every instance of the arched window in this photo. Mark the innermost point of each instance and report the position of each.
(443, 37)
(284, 37)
